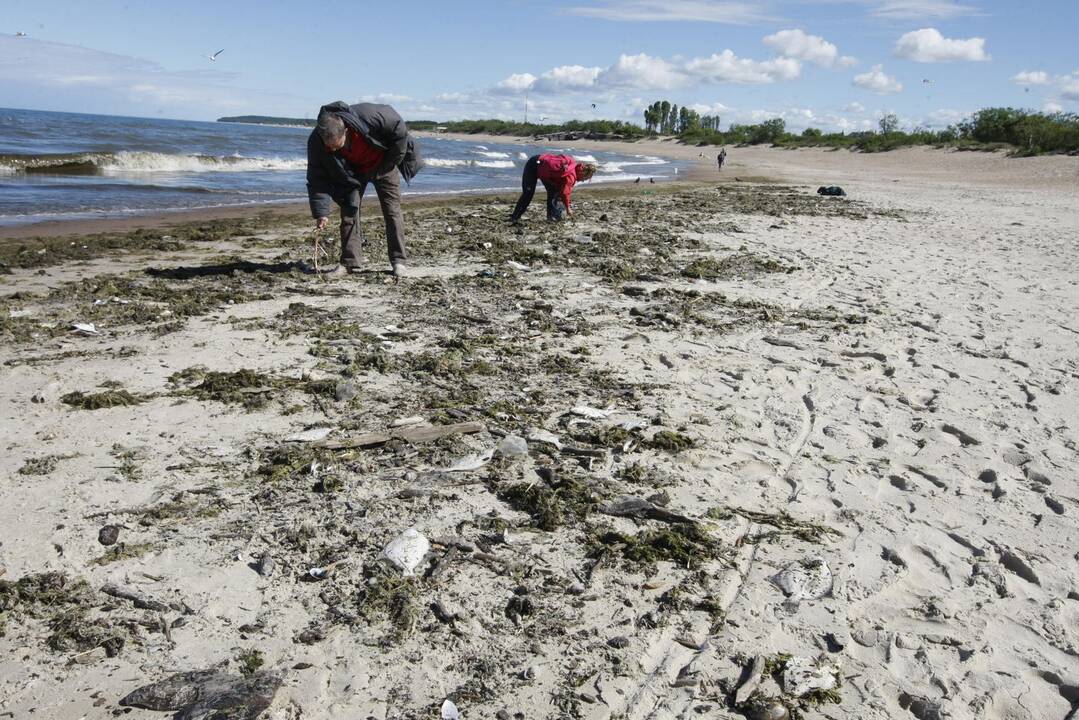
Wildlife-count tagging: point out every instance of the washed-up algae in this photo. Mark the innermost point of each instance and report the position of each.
(100, 400)
(64, 605)
(42, 465)
(782, 521)
(551, 506)
(686, 545)
(247, 388)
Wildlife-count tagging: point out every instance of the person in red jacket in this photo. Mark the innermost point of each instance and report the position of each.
(558, 173)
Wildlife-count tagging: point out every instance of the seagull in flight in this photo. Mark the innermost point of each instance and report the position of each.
(213, 58)
(927, 81)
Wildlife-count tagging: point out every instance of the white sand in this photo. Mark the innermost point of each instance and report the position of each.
(939, 439)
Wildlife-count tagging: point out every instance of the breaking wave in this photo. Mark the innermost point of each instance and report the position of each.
(451, 163)
(491, 154)
(140, 162)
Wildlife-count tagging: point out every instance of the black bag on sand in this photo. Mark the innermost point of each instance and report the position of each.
(831, 190)
(557, 211)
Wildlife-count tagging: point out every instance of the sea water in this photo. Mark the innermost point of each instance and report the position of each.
(56, 166)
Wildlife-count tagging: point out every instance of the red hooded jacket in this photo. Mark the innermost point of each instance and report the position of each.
(560, 171)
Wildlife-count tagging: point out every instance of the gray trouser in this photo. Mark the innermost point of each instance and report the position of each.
(388, 189)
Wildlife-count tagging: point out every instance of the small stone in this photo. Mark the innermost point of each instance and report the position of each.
(108, 535)
(513, 446)
(587, 697)
(575, 589)
(345, 391)
(265, 565)
(503, 714)
(618, 642)
(906, 642)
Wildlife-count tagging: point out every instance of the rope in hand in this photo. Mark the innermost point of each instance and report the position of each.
(319, 251)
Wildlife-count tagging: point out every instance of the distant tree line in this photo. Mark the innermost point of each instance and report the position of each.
(267, 120)
(523, 129)
(1024, 132)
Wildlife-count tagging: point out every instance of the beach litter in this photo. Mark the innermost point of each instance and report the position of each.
(450, 711)
(84, 329)
(808, 579)
(590, 412)
(406, 551)
(312, 435)
(543, 436)
(802, 676)
(413, 420)
(471, 462)
(513, 446)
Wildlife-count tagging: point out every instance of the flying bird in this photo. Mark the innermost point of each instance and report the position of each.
(593, 106)
(22, 34)
(927, 81)
(213, 58)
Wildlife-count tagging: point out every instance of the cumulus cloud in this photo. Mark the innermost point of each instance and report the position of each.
(385, 98)
(929, 46)
(733, 13)
(1070, 89)
(518, 82)
(1052, 107)
(567, 77)
(810, 48)
(648, 73)
(855, 107)
(1032, 77)
(878, 82)
(726, 67)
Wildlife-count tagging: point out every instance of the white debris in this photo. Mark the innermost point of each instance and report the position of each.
(520, 267)
(591, 412)
(450, 711)
(808, 579)
(85, 329)
(312, 435)
(513, 446)
(413, 420)
(407, 550)
(471, 462)
(543, 436)
(802, 676)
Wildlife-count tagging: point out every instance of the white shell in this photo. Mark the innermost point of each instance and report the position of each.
(809, 579)
(407, 550)
(802, 676)
(312, 435)
(471, 462)
(450, 711)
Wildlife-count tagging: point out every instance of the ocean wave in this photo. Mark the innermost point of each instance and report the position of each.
(491, 154)
(522, 156)
(585, 158)
(453, 163)
(140, 162)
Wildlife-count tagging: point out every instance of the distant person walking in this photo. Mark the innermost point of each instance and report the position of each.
(353, 146)
(558, 173)
(721, 158)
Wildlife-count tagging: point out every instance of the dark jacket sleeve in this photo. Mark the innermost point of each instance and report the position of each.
(319, 187)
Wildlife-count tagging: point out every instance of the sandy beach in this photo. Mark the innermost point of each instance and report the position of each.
(721, 448)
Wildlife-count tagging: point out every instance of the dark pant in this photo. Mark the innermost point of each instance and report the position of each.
(528, 189)
(388, 189)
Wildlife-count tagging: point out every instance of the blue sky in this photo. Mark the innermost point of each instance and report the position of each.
(835, 64)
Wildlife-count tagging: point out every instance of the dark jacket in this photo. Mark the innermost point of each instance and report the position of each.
(329, 177)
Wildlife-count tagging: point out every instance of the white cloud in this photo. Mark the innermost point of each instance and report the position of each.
(1070, 89)
(855, 107)
(928, 45)
(916, 9)
(878, 82)
(734, 13)
(518, 82)
(385, 98)
(800, 45)
(567, 77)
(1052, 107)
(705, 109)
(1032, 77)
(643, 72)
(728, 67)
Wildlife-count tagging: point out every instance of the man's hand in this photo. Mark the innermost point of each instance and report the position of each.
(320, 223)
